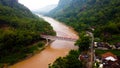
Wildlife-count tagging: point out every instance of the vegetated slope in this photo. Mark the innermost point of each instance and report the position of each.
(66, 7)
(19, 29)
(103, 15)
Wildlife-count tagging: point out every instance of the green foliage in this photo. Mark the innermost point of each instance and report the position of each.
(103, 15)
(17, 44)
(19, 30)
(83, 42)
(70, 61)
(109, 33)
(40, 44)
(89, 12)
(22, 20)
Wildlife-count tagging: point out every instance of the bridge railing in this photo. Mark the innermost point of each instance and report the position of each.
(58, 38)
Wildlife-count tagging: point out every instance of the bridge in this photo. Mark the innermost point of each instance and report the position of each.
(58, 38)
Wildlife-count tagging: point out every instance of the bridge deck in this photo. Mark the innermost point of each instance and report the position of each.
(58, 38)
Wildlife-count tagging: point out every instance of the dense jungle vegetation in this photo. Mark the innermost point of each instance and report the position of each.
(20, 32)
(102, 15)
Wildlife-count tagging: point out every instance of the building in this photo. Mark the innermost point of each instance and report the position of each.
(102, 45)
(117, 45)
(110, 60)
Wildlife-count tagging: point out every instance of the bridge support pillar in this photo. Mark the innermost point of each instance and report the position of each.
(47, 42)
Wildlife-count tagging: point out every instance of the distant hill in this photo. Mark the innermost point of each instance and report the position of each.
(45, 9)
(61, 5)
(19, 30)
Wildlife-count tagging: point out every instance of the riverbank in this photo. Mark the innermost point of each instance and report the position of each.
(34, 48)
(58, 48)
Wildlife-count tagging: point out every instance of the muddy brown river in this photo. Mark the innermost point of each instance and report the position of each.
(59, 48)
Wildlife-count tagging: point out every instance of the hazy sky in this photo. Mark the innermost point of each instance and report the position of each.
(36, 4)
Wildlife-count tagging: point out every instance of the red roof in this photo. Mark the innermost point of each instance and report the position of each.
(108, 54)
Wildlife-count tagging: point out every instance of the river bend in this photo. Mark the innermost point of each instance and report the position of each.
(58, 48)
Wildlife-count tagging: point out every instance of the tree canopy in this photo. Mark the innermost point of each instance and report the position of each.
(19, 30)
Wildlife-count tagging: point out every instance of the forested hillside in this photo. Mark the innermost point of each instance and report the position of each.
(82, 15)
(19, 30)
(103, 15)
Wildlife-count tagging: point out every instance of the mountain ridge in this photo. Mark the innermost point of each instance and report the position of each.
(83, 14)
(19, 30)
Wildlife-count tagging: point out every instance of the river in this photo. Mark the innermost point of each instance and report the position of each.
(58, 48)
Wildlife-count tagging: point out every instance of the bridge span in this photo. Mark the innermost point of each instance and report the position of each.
(58, 38)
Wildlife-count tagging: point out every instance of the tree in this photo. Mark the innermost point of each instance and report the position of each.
(83, 42)
(70, 61)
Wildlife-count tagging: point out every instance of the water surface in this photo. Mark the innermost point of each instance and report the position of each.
(58, 48)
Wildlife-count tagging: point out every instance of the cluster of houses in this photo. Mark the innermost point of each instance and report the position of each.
(108, 60)
(106, 46)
